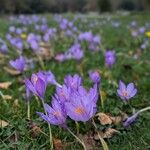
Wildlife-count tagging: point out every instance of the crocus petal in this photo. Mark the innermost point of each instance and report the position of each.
(30, 86)
(133, 93)
(130, 88)
(40, 87)
(122, 86)
(130, 120)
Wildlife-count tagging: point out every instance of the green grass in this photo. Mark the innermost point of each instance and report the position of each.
(136, 137)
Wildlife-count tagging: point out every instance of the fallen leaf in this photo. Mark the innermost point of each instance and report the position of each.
(5, 85)
(7, 97)
(16, 103)
(109, 119)
(104, 119)
(45, 52)
(12, 71)
(58, 144)
(88, 141)
(110, 132)
(3, 123)
(34, 129)
(107, 134)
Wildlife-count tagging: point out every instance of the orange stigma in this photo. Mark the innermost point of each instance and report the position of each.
(79, 110)
(56, 113)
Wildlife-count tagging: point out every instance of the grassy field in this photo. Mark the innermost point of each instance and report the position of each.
(132, 65)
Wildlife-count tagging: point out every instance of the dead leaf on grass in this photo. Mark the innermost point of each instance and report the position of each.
(109, 133)
(7, 97)
(5, 85)
(58, 144)
(3, 123)
(104, 118)
(12, 71)
(88, 140)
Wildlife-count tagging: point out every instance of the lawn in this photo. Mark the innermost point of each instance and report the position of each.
(119, 32)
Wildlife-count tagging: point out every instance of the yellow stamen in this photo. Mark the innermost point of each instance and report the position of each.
(35, 78)
(125, 93)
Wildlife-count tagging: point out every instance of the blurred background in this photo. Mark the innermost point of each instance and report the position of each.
(62, 6)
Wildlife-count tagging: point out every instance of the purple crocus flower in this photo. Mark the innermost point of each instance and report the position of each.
(126, 92)
(63, 93)
(130, 120)
(36, 85)
(48, 77)
(18, 64)
(110, 58)
(3, 48)
(82, 105)
(55, 114)
(73, 81)
(94, 76)
(60, 57)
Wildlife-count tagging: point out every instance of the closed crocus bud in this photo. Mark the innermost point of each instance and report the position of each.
(73, 81)
(36, 85)
(94, 76)
(130, 120)
(110, 58)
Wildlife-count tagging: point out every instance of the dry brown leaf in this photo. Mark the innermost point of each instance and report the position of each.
(16, 103)
(104, 118)
(118, 119)
(12, 71)
(109, 119)
(45, 52)
(3, 123)
(34, 129)
(110, 132)
(58, 144)
(7, 97)
(107, 134)
(88, 141)
(5, 85)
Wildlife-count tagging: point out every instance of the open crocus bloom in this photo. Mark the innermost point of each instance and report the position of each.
(55, 114)
(94, 76)
(82, 104)
(126, 92)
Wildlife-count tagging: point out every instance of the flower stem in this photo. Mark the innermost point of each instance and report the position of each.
(77, 127)
(144, 109)
(79, 140)
(49, 127)
(104, 144)
(28, 109)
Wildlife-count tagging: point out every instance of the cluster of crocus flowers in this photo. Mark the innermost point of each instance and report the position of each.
(72, 100)
(95, 76)
(75, 52)
(93, 40)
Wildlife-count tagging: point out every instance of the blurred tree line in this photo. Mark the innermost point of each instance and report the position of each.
(59, 6)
